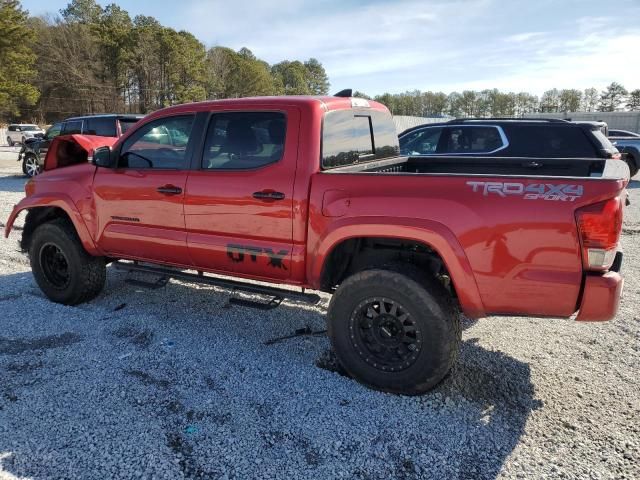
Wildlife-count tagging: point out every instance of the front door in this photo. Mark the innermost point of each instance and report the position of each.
(140, 203)
(239, 201)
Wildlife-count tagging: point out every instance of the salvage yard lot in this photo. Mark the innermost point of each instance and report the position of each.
(178, 383)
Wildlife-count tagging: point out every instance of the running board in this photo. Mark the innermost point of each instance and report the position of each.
(277, 294)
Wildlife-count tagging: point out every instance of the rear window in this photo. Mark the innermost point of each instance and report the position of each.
(355, 136)
(550, 142)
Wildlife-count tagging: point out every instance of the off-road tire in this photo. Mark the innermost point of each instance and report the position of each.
(429, 305)
(633, 165)
(86, 274)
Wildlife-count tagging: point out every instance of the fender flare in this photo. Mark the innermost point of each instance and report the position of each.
(63, 202)
(432, 234)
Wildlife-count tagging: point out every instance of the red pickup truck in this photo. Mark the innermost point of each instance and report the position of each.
(311, 192)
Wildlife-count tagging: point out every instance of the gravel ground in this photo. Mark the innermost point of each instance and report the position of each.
(177, 383)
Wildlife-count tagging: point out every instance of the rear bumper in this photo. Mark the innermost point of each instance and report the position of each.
(600, 297)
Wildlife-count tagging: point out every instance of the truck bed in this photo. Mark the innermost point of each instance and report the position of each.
(473, 165)
(511, 224)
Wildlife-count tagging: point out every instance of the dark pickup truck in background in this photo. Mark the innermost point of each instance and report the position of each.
(311, 192)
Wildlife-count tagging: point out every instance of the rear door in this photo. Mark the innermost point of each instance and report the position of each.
(239, 197)
(140, 203)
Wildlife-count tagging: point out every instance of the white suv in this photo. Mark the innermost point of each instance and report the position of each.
(18, 133)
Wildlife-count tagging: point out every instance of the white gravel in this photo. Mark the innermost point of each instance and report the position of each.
(176, 383)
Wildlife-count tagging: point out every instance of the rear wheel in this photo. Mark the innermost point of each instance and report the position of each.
(64, 271)
(30, 166)
(22, 140)
(392, 331)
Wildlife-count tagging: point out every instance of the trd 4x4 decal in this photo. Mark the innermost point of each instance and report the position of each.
(237, 255)
(564, 192)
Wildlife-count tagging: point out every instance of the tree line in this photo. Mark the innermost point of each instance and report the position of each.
(90, 59)
(494, 103)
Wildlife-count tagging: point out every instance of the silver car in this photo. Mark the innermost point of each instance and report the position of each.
(19, 132)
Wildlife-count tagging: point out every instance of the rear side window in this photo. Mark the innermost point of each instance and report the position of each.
(72, 127)
(244, 140)
(550, 142)
(103, 127)
(353, 136)
(471, 139)
(421, 142)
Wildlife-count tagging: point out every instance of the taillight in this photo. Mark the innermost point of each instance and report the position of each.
(599, 226)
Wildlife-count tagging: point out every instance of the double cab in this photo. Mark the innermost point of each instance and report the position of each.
(312, 192)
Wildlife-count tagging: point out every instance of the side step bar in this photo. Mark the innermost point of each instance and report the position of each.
(278, 294)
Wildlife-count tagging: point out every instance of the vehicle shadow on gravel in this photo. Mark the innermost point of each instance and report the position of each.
(194, 374)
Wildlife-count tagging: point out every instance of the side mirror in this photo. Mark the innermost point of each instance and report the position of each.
(102, 157)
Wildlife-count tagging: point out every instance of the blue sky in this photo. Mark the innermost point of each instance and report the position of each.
(378, 46)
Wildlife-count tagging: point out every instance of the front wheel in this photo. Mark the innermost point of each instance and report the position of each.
(393, 331)
(63, 269)
(9, 142)
(30, 166)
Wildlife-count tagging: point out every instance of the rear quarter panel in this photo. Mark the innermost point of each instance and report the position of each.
(505, 254)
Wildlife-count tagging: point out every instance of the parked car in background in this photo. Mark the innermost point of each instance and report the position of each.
(32, 149)
(500, 137)
(623, 133)
(109, 125)
(628, 143)
(20, 132)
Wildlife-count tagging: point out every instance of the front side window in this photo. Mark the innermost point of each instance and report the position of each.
(476, 139)
(421, 142)
(244, 140)
(160, 144)
(54, 130)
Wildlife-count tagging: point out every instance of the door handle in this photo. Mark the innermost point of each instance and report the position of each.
(268, 195)
(169, 190)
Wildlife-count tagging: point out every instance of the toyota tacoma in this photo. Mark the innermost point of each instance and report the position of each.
(311, 192)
